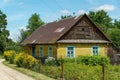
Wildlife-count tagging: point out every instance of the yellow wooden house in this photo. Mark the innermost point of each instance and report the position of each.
(72, 37)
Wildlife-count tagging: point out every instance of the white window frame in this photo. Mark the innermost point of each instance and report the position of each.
(70, 53)
(98, 50)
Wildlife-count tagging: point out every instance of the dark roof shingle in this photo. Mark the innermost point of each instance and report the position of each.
(49, 33)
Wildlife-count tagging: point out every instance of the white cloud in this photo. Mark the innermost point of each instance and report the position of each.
(79, 12)
(65, 11)
(106, 7)
(6, 1)
(22, 28)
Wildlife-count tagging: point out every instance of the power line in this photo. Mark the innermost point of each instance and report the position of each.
(59, 5)
(46, 5)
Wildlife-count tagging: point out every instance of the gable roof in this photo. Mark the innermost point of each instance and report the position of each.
(50, 33)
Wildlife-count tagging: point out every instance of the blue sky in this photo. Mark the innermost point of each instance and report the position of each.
(19, 11)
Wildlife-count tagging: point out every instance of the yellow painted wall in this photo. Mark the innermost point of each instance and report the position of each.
(80, 49)
(27, 49)
(60, 49)
(45, 47)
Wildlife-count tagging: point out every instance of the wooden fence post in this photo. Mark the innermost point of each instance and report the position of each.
(103, 72)
(62, 67)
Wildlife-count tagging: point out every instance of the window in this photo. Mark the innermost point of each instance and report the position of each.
(95, 50)
(41, 51)
(70, 51)
(50, 51)
(59, 29)
(83, 29)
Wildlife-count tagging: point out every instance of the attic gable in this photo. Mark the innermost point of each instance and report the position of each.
(84, 29)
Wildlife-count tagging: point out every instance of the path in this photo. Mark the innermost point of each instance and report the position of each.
(7, 73)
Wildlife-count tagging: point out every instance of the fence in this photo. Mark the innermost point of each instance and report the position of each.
(74, 71)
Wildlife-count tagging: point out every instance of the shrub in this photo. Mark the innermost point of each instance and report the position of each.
(50, 61)
(29, 62)
(19, 59)
(9, 56)
(93, 60)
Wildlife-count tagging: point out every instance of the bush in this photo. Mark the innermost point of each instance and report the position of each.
(29, 62)
(50, 61)
(19, 59)
(9, 56)
(93, 60)
(26, 61)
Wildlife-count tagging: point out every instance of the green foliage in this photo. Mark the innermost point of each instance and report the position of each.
(11, 45)
(93, 60)
(51, 71)
(3, 32)
(25, 60)
(101, 19)
(88, 60)
(114, 35)
(50, 61)
(9, 56)
(116, 24)
(23, 34)
(19, 59)
(75, 71)
(34, 22)
(29, 62)
(65, 17)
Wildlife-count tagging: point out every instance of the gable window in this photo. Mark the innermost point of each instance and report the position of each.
(50, 51)
(70, 51)
(41, 51)
(95, 50)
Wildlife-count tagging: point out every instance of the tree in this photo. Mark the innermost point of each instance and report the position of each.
(114, 34)
(23, 34)
(101, 19)
(65, 17)
(117, 24)
(34, 22)
(3, 32)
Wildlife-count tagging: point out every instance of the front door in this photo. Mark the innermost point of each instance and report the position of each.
(33, 51)
(50, 51)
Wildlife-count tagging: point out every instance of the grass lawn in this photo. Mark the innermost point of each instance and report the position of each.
(74, 71)
(1, 56)
(35, 75)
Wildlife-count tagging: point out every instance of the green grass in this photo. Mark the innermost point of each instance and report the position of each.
(1, 56)
(35, 75)
(74, 71)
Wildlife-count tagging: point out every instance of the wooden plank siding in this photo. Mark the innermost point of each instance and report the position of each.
(84, 30)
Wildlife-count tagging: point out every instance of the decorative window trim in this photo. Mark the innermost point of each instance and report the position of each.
(98, 50)
(49, 51)
(42, 51)
(73, 51)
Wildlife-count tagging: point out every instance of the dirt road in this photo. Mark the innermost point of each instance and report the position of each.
(7, 73)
